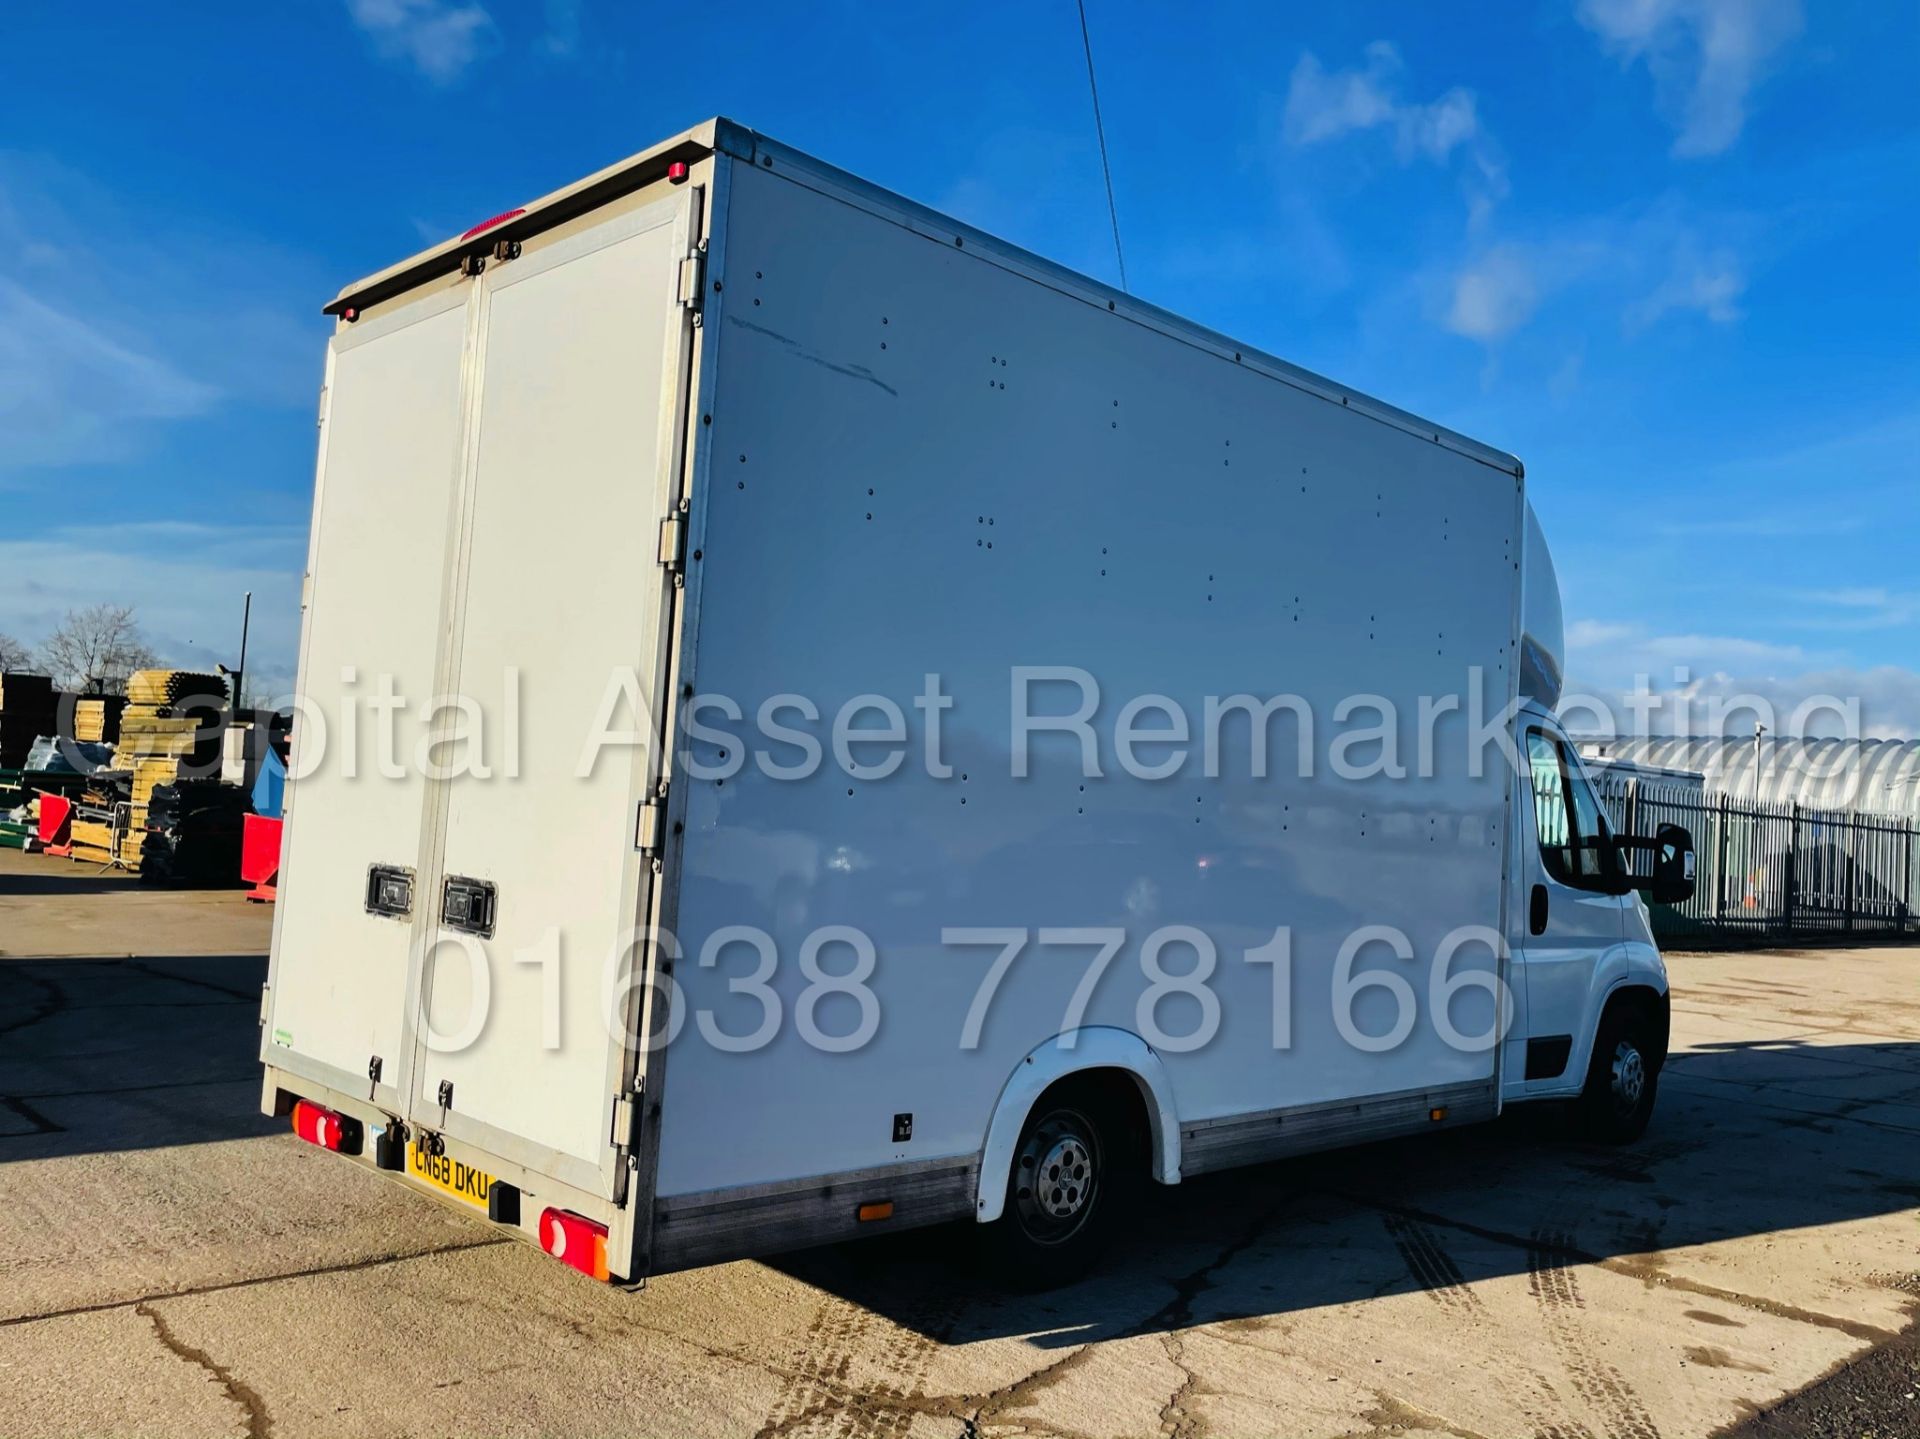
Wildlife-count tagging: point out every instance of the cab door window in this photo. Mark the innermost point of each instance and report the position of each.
(1576, 847)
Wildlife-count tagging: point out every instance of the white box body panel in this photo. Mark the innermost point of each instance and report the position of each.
(927, 462)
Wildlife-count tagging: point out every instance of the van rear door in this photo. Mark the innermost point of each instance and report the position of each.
(559, 633)
(386, 497)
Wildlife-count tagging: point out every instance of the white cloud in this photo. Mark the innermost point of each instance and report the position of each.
(1705, 57)
(1607, 661)
(1696, 677)
(1869, 607)
(562, 37)
(184, 580)
(1323, 105)
(1494, 296)
(1710, 285)
(1652, 265)
(440, 38)
(104, 331)
(1835, 701)
(1616, 651)
(70, 393)
(1682, 651)
(1590, 634)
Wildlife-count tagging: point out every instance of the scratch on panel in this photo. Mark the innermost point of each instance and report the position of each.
(857, 372)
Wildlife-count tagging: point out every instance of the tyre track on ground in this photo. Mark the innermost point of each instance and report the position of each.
(1435, 1271)
(1556, 1287)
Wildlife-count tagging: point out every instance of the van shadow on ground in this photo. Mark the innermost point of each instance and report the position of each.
(1749, 1139)
(84, 880)
(100, 1055)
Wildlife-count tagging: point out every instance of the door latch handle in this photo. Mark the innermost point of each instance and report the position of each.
(469, 905)
(1537, 910)
(389, 891)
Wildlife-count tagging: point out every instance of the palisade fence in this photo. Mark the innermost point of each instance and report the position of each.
(1767, 871)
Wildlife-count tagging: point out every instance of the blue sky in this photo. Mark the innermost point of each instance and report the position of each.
(1664, 250)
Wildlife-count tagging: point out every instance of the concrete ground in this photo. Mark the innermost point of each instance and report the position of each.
(172, 1263)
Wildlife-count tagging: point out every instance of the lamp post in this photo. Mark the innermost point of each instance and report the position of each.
(240, 674)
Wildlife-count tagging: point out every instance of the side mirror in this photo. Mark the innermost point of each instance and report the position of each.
(1670, 875)
(1674, 866)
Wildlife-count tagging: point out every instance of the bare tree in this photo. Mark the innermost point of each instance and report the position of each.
(95, 649)
(13, 654)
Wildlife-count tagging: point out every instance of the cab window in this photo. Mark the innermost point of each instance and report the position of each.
(1576, 846)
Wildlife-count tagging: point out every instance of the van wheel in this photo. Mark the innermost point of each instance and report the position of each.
(1623, 1080)
(1075, 1175)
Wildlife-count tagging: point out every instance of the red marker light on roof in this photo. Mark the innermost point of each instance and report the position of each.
(325, 1128)
(575, 1241)
(677, 171)
(349, 314)
(500, 219)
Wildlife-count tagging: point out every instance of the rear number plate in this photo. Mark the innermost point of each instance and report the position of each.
(460, 1180)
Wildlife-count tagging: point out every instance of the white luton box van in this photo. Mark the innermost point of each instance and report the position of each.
(815, 720)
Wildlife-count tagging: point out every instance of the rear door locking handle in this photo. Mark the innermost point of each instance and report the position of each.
(469, 905)
(389, 891)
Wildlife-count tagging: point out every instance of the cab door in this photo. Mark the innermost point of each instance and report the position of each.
(1572, 909)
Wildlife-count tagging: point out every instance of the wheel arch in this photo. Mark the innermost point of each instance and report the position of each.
(1656, 1005)
(1077, 1052)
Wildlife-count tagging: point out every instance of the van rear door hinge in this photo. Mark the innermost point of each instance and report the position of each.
(673, 541)
(692, 271)
(652, 823)
(626, 1120)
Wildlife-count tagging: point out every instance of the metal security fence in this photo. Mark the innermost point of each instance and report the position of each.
(1771, 871)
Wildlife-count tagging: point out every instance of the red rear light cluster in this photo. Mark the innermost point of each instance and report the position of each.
(325, 1128)
(575, 1241)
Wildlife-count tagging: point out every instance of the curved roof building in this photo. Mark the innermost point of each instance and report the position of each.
(1876, 776)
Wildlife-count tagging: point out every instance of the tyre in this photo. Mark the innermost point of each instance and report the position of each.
(1623, 1078)
(1076, 1174)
